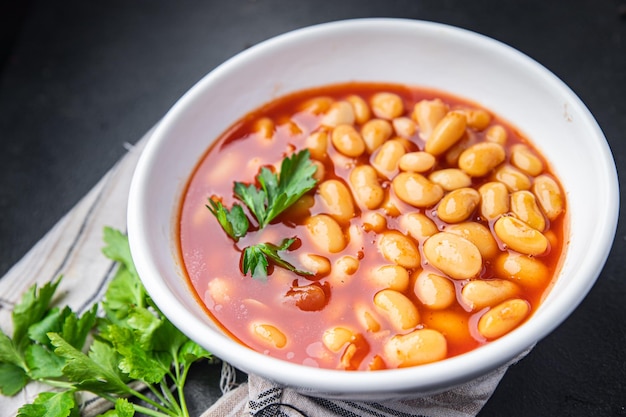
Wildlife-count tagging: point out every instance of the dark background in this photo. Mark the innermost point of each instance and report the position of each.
(79, 79)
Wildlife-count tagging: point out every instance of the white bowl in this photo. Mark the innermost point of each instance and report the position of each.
(388, 50)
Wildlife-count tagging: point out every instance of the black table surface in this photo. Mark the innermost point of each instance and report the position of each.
(80, 79)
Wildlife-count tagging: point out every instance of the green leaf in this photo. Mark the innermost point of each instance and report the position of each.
(268, 181)
(256, 259)
(144, 324)
(32, 308)
(85, 372)
(124, 292)
(122, 409)
(278, 192)
(43, 363)
(125, 289)
(52, 322)
(137, 362)
(65, 322)
(234, 222)
(118, 249)
(190, 352)
(104, 354)
(167, 338)
(255, 199)
(50, 404)
(12, 379)
(271, 251)
(75, 331)
(255, 262)
(8, 352)
(296, 178)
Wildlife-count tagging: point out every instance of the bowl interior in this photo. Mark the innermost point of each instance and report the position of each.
(384, 50)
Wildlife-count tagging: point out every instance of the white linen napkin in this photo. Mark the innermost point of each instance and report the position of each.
(72, 248)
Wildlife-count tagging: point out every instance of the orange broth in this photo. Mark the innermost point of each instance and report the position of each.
(212, 259)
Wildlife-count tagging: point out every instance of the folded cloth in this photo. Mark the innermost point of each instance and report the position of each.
(262, 398)
(72, 248)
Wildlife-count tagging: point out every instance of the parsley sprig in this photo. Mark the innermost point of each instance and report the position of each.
(133, 342)
(255, 258)
(275, 194)
(278, 192)
(233, 221)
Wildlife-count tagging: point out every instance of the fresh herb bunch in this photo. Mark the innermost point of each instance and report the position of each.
(277, 192)
(132, 343)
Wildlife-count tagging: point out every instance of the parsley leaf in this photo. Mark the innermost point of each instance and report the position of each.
(254, 198)
(9, 353)
(255, 259)
(87, 373)
(73, 328)
(255, 262)
(296, 178)
(125, 289)
(137, 361)
(117, 249)
(33, 306)
(43, 363)
(122, 409)
(12, 379)
(278, 191)
(234, 222)
(62, 404)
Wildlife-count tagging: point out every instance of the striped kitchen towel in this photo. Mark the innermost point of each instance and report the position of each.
(261, 398)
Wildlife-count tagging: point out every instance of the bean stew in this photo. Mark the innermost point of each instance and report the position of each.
(433, 227)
